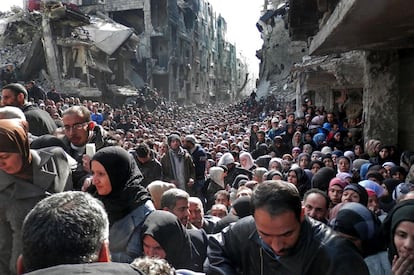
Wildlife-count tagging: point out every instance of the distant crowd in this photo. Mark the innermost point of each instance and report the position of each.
(254, 187)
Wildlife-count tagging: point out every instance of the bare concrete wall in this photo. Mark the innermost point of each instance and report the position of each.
(381, 96)
(279, 55)
(406, 103)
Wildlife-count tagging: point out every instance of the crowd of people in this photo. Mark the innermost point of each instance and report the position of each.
(246, 188)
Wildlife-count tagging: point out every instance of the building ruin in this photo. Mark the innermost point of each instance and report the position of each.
(109, 49)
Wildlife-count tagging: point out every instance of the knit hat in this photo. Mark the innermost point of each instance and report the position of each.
(403, 211)
(191, 138)
(344, 175)
(363, 195)
(357, 221)
(372, 185)
(339, 182)
(173, 137)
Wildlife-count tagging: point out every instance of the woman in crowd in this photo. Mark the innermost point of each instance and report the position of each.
(26, 177)
(246, 161)
(355, 193)
(164, 236)
(117, 178)
(358, 224)
(298, 177)
(344, 164)
(399, 231)
(214, 184)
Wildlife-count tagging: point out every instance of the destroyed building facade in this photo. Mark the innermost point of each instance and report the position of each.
(359, 56)
(111, 48)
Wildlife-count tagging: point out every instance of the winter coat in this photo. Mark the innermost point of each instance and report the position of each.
(318, 251)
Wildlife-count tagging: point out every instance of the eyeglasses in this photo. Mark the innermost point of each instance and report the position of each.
(76, 127)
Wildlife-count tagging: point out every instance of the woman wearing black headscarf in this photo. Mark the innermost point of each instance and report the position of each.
(164, 236)
(26, 177)
(117, 179)
(398, 228)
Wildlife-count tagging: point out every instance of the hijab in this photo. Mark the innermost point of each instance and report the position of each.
(168, 231)
(125, 177)
(14, 139)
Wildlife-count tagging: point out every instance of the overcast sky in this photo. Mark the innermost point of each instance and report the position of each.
(241, 17)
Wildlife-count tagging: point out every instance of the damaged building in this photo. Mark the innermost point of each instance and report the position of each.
(110, 49)
(358, 56)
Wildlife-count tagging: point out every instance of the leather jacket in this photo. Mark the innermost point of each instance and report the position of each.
(238, 250)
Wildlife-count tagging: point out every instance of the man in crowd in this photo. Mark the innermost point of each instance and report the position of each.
(80, 130)
(279, 239)
(316, 204)
(176, 201)
(40, 122)
(150, 167)
(199, 157)
(197, 217)
(177, 165)
(67, 233)
(35, 91)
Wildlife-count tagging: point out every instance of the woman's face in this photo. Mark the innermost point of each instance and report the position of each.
(100, 178)
(384, 153)
(328, 162)
(404, 239)
(304, 162)
(335, 194)
(292, 178)
(343, 165)
(152, 248)
(350, 196)
(11, 163)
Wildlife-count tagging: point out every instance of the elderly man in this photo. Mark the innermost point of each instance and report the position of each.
(316, 204)
(279, 239)
(197, 217)
(67, 233)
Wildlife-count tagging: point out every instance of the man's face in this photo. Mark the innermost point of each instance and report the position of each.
(76, 129)
(8, 98)
(315, 207)
(280, 232)
(222, 199)
(181, 211)
(175, 144)
(196, 215)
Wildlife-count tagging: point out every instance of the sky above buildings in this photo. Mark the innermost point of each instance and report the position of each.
(241, 17)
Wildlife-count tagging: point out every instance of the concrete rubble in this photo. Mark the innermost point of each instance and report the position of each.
(112, 49)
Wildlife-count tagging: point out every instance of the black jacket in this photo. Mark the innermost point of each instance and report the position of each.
(40, 122)
(318, 251)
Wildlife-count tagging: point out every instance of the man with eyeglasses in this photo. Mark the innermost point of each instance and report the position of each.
(80, 130)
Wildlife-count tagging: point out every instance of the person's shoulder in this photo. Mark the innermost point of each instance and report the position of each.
(93, 268)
